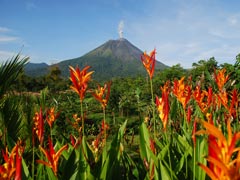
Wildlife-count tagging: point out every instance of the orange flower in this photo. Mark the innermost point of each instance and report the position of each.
(101, 95)
(12, 168)
(51, 116)
(104, 126)
(152, 146)
(193, 132)
(52, 156)
(7, 170)
(203, 98)
(222, 164)
(234, 103)
(80, 80)
(38, 126)
(189, 114)
(220, 78)
(223, 98)
(182, 91)
(149, 62)
(74, 141)
(163, 105)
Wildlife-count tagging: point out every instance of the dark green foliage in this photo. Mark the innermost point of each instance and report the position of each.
(9, 72)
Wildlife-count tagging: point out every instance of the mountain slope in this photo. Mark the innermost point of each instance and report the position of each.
(115, 58)
(36, 69)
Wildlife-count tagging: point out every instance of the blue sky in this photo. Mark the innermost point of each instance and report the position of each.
(182, 31)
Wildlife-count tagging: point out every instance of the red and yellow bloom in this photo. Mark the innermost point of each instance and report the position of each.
(163, 105)
(222, 164)
(182, 91)
(102, 94)
(12, 168)
(220, 78)
(38, 126)
(80, 79)
(52, 156)
(51, 116)
(149, 62)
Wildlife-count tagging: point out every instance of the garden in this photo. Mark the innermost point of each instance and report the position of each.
(183, 127)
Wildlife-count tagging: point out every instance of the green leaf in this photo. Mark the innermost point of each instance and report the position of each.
(164, 172)
(111, 167)
(71, 166)
(25, 171)
(50, 174)
(201, 151)
(144, 142)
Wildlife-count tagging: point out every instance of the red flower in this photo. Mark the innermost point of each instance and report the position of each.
(80, 80)
(222, 162)
(52, 156)
(12, 168)
(101, 95)
(38, 126)
(182, 91)
(51, 116)
(149, 62)
(152, 146)
(220, 78)
(189, 114)
(163, 105)
(193, 132)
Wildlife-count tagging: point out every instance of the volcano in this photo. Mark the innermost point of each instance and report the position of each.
(114, 58)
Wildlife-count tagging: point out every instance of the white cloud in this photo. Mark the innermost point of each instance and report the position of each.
(8, 38)
(187, 33)
(4, 29)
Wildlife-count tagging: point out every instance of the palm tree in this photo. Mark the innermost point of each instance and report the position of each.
(10, 116)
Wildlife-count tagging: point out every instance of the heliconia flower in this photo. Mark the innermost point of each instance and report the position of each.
(8, 169)
(163, 105)
(38, 126)
(74, 141)
(149, 62)
(234, 103)
(12, 168)
(80, 80)
(19, 151)
(223, 98)
(182, 91)
(203, 98)
(193, 132)
(210, 97)
(102, 94)
(220, 78)
(189, 114)
(104, 126)
(96, 144)
(52, 156)
(222, 163)
(51, 116)
(152, 146)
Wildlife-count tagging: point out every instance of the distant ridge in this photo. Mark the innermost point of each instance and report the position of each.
(36, 69)
(114, 58)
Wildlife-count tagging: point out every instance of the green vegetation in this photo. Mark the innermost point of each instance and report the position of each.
(131, 149)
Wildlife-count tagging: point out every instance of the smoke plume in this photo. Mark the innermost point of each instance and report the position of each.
(120, 28)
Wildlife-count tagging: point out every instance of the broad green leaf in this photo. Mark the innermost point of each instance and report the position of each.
(70, 166)
(50, 174)
(111, 166)
(144, 142)
(25, 171)
(164, 172)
